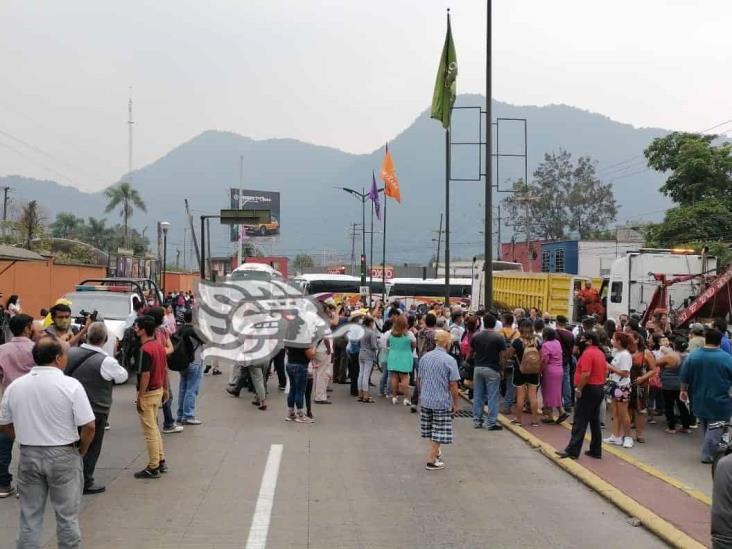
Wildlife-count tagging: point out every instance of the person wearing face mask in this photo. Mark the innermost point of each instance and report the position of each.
(61, 326)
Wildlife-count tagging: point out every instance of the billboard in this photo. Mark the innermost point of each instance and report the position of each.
(247, 199)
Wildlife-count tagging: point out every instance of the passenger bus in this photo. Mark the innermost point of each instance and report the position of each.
(342, 287)
(419, 291)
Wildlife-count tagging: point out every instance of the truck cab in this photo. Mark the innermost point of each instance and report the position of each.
(632, 283)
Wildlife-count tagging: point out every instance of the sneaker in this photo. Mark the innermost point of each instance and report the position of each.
(300, 418)
(147, 473)
(436, 466)
(393, 400)
(162, 467)
(612, 439)
(406, 402)
(290, 416)
(173, 429)
(192, 421)
(628, 442)
(413, 409)
(495, 428)
(477, 425)
(6, 491)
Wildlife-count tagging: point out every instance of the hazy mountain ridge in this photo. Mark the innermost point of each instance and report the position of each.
(316, 216)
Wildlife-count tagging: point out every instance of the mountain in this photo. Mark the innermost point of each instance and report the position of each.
(315, 216)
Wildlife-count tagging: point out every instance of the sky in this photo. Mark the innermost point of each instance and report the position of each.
(343, 73)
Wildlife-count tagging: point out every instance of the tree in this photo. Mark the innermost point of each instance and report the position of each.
(67, 225)
(590, 202)
(560, 198)
(302, 261)
(123, 194)
(30, 224)
(97, 233)
(699, 169)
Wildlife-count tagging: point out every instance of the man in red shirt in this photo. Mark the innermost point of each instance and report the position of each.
(589, 383)
(152, 389)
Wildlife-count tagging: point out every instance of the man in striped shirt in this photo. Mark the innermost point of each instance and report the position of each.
(438, 385)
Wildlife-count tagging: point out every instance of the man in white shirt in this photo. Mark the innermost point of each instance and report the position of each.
(98, 373)
(44, 410)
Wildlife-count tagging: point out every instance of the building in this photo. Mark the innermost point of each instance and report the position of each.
(528, 254)
(583, 257)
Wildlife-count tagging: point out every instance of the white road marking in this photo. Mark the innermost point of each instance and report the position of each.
(265, 501)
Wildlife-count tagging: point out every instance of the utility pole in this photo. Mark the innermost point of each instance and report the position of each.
(194, 242)
(5, 207)
(184, 247)
(238, 206)
(439, 242)
(499, 219)
(353, 247)
(488, 229)
(177, 259)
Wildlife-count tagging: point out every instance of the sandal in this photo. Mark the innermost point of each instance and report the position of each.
(516, 421)
(262, 407)
(369, 401)
(670, 431)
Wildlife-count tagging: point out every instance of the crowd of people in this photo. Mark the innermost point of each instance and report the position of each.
(534, 368)
(57, 375)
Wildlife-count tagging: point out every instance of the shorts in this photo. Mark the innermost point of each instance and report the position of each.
(621, 394)
(436, 425)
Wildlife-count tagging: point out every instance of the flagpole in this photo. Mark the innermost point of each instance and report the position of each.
(371, 255)
(447, 217)
(383, 254)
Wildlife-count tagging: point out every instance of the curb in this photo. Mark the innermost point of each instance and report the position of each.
(676, 483)
(650, 520)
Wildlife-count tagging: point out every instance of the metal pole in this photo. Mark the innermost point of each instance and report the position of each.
(353, 247)
(447, 217)
(498, 244)
(488, 229)
(203, 247)
(439, 243)
(165, 257)
(208, 245)
(383, 253)
(238, 207)
(5, 207)
(371, 255)
(362, 265)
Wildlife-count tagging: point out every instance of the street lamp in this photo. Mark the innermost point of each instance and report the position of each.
(164, 225)
(362, 196)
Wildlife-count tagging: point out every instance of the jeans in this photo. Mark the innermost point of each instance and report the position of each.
(190, 382)
(509, 398)
(486, 383)
(258, 373)
(95, 448)
(384, 381)
(298, 374)
(151, 431)
(53, 472)
(567, 390)
(279, 366)
(364, 373)
(6, 453)
(353, 369)
(168, 419)
(587, 412)
(712, 438)
(671, 398)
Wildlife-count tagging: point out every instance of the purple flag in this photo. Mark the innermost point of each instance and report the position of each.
(374, 196)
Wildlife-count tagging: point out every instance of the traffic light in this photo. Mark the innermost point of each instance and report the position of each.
(363, 265)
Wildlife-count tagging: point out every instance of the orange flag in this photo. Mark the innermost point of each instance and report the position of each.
(389, 177)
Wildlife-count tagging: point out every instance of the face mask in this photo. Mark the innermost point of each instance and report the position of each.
(63, 323)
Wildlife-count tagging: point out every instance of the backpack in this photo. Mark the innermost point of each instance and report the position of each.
(178, 360)
(129, 350)
(531, 361)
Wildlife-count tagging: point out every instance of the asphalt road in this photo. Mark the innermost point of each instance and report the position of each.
(354, 479)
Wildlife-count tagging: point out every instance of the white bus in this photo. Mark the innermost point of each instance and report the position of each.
(416, 291)
(344, 288)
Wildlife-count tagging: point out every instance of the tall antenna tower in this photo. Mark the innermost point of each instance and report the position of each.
(129, 144)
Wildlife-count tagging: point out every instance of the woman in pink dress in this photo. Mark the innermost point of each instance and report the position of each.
(551, 377)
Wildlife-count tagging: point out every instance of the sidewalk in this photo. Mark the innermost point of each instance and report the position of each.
(678, 514)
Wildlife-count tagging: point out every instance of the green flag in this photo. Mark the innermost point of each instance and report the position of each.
(445, 85)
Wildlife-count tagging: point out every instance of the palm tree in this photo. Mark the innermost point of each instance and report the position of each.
(97, 233)
(123, 193)
(30, 223)
(66, 225)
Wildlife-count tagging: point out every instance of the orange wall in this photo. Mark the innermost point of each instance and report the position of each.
(40, 283)
(180, 281)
